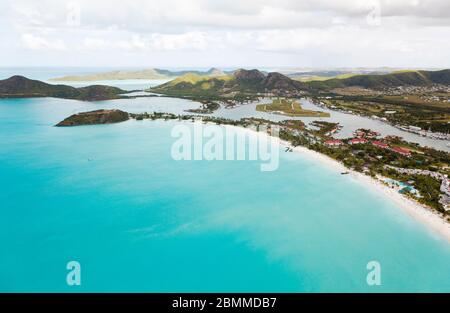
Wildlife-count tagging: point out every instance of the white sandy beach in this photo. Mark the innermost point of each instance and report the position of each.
(430, 218)
(427, 216)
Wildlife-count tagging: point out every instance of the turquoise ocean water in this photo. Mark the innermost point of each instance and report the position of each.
(112, 198)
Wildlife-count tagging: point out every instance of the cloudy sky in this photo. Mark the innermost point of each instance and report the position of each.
(225, 33)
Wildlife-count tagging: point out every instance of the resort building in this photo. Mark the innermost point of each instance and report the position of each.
(380, 144)
(355, 141)
(333, 143)
(444, 198)
(402, 151)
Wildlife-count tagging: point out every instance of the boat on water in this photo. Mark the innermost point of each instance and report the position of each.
(345, 173)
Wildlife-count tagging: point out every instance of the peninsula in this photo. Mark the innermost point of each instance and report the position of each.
(289, 108)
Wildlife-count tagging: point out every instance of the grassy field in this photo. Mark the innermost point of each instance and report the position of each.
(289, 108)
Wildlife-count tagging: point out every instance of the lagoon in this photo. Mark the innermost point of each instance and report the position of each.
(350, 122)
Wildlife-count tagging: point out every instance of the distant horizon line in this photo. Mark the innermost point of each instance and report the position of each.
(143, 67)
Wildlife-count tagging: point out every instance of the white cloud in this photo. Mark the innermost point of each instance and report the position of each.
(318, 31)
(92, 44)
(33, 42)
(153, 42)
(156, 15)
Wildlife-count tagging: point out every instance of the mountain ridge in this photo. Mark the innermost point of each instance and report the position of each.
(240, 81)
(21, 87)
(396, 79)
(255, 81)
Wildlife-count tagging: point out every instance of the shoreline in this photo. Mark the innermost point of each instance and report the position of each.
(433, 220)
(421, 213)
(431, 135)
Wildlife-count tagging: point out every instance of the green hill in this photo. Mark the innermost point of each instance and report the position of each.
(403, 78)
(254, 81)
(241, 81)
(22, 87)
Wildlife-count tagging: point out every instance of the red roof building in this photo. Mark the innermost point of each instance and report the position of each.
(402, 151)
(355, 141)
(333, 143)
(380, 144)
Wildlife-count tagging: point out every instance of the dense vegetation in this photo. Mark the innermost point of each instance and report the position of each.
(207, 107)
(22, 87)
(400, 110)
(255, 81)
(95, 117)
(406, 78)
(241, 82)
(289, 108)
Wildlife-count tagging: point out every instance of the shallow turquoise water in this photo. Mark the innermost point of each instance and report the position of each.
(112, 198)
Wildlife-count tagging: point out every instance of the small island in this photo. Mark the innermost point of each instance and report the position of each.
(95, 117)
(207, 107)
(289, 108)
